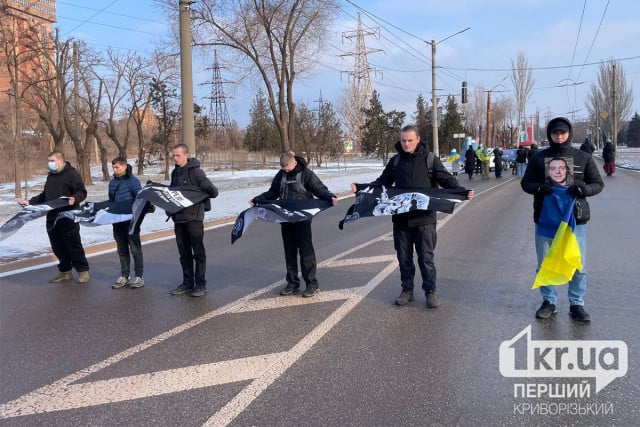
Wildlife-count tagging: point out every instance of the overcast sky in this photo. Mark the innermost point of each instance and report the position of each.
(564, 41)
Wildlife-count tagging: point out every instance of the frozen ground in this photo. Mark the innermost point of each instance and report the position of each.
(235, 190)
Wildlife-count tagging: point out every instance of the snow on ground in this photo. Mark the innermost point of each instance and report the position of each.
(236, 189)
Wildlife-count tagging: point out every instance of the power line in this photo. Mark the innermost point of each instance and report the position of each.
(575, 46)
(93, 16)
(86, 21)
(594, 38)
(104, 12)
(539, 68)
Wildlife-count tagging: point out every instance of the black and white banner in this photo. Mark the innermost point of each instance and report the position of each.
(93, 214)
(380, 201)
(29, 213)
(277, 211)
(170, 199)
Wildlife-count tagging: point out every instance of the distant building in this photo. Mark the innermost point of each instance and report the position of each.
(25, 26)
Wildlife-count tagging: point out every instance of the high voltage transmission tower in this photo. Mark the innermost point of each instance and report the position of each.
(360, 91)
(218, 114)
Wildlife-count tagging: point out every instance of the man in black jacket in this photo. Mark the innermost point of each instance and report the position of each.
(64, 234)
(189, 223)
(296, 181)
(586, 182)
(409, 169)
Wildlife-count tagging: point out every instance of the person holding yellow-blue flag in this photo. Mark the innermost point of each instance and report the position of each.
(484, 156)
(454, 158)
(560, 178)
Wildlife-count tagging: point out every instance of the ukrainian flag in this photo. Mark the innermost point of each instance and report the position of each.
(454, 157)
(557, 221)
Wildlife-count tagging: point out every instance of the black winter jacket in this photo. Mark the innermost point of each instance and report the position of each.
(191, 174)
(585, 172)
(287, 185)
(587, 147)
(608, 152)
(66, 183)
(411, 172)
(469, 160)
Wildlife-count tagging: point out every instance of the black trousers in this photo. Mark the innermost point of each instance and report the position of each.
(423, 238)
(66, 244)
(190, 240)
(296, 237)
(128, 246)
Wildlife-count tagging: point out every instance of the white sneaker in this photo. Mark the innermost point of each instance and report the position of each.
(138, 282)
(120, 282)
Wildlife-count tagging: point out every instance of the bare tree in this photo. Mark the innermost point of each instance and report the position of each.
(522, 79)
(475, 111)
(502, 120)
(160, 67)
(279, 39)
(601, 97)
(49, 85)
(16, 56)
(91, 110)
(123, 69)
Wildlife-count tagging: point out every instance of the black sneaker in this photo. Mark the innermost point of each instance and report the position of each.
(432, 300)
(182, 289)
(290, 289)
(546, 310)
(578, 314)
(404, 298)
(198, 291)
(310, 291)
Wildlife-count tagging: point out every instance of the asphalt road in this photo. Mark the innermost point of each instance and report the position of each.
(243, 355)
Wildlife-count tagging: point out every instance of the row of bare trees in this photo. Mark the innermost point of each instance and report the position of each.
(93, 101)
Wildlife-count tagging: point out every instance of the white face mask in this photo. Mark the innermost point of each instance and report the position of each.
(52, 166)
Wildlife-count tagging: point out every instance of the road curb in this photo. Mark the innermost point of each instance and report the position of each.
(40, 258)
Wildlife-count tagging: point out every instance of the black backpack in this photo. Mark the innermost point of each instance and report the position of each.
(193, 181)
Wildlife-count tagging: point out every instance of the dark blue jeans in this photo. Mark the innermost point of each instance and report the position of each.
(190, 241)
(423, 238)
(296, 237)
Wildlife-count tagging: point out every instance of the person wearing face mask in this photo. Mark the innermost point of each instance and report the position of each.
(64, 234)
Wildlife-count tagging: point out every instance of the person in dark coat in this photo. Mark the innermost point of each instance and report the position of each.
(497, 153)
(64, 233)
(587, 182)
(415, 229)
(189, 223)
(296, 181)
(521, 161)
(587, 147)
(609, 157)
(470, 161)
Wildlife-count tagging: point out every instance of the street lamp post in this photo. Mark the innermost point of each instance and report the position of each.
(434, 99)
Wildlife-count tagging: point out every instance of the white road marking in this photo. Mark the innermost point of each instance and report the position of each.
(360, 261)
(240, 402)
(73, 396)
(23, 405)
(286, 302)
(64, 394)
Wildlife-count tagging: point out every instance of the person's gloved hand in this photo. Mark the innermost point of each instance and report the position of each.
(577, 190)
(545, 189)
